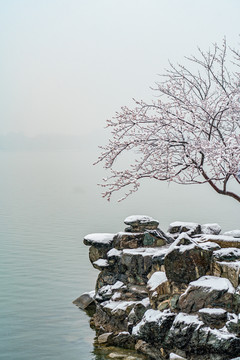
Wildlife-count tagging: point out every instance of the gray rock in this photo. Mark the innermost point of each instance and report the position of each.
(85, 300)
(136, 314)
(227, 269)
(111, 316)
(136, 265)
(98, 253)
(233, 324)
(154, 326)
(190, 334)
(186, 260)
(215, 318)
(104, 338)
(107, 277)
(124, 339)
(128, 240)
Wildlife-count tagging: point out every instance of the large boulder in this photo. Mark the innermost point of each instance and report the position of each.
(186, 260)
(208, 291)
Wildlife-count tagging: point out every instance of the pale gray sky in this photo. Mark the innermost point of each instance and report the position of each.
(68, 65)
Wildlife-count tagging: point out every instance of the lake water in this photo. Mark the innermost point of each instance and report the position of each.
(49, 201)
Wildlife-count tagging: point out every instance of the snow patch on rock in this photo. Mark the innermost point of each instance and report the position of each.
(214, 229)
(211, 283)
(234, 233)
(101, 263)
(156, 279)
(114, 252)
(141, 219)
(103, 238)
(212, 311)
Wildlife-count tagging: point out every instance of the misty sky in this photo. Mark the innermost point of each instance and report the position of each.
(68, 65)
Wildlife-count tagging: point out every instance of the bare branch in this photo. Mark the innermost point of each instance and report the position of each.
(190, 133)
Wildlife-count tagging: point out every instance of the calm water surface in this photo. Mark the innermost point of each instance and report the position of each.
(49, 201)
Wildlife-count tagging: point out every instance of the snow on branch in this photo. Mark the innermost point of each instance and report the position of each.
(190, 133)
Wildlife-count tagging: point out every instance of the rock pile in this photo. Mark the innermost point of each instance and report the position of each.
(173, 295)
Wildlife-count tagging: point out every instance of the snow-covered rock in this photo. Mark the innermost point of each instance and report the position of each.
(177, 227)
(190, 334)
(154, 326)
(208, 245)
(156, 280)
(227, 254)
(234, 233)
(98, 239)
(173, 356)
(213, 317)
(143, 272)
(106, 292)
(100, 264)
(213, 229)
(141, 223)
(225, 241)
(227, 269)
(159, 290)
(207, 291)
(186, 261)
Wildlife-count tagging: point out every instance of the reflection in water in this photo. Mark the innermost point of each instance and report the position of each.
(112, 352)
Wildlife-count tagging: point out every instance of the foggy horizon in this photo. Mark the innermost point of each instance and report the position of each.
(67, 66)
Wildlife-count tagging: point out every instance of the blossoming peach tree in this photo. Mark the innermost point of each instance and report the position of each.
(190, 133)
